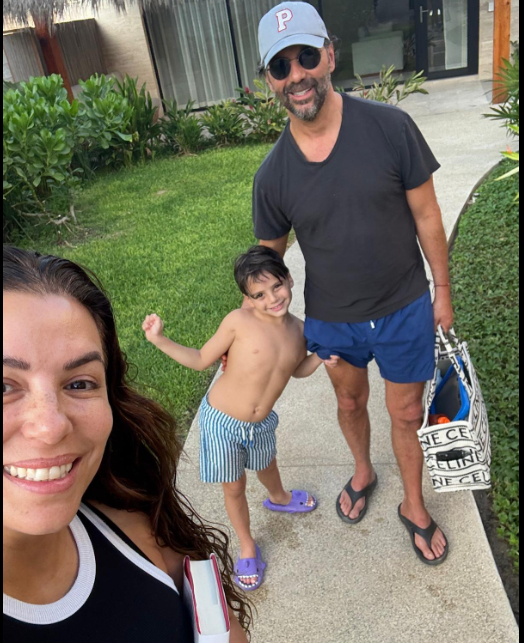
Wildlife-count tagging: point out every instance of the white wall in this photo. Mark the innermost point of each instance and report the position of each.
(125, 47)
(7, 71)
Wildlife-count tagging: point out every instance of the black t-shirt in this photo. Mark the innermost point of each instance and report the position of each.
(350, 212)
(118, 597)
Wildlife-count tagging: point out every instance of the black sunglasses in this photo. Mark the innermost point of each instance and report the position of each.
(309, 58)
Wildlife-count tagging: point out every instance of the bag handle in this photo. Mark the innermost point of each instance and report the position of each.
(444, 340)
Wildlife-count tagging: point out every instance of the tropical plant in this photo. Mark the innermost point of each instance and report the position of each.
(225, 124)
(144, 127)
(513, 156)
(190, 137)
(387, 90)
(266, 117)
(181, 131)
(38, 147)
(7, 85)
(507, 85)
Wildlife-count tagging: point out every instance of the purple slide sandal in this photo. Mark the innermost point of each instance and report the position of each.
(251, 568)
(298, 504)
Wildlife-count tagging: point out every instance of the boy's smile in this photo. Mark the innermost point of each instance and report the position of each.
(270, 295)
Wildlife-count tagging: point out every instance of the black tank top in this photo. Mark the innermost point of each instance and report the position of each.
(119, 596)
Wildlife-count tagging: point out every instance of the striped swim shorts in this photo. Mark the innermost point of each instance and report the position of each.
(228, 446)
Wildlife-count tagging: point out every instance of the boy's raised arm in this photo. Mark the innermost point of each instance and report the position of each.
(193, 358)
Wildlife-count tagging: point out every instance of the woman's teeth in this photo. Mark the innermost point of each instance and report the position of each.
(39, 475)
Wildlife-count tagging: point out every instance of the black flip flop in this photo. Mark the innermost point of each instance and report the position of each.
(427, 534)
(355, 497)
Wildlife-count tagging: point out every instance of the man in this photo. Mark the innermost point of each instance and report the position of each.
(354, 180)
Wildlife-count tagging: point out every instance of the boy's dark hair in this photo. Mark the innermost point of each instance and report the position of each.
(257, 261)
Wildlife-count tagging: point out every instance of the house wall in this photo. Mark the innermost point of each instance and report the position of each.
(22, 57)
(7, 70)
(125, 47)
(123, 41)
(80, 44)
(486, 35)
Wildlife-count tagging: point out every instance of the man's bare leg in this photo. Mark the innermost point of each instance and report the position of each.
(404, 402)
(238, 512)
(272, 481)
(352, 389)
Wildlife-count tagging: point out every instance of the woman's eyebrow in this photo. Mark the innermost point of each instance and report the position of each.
(13, 362)
(93, 356)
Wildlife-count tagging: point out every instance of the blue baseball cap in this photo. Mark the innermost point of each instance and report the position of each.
(288, 24)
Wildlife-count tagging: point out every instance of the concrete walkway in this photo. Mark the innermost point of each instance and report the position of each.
(332, 583)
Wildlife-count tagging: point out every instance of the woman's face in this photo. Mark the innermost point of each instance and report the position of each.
(57, 417)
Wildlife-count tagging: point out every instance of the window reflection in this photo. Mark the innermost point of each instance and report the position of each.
(373, 33)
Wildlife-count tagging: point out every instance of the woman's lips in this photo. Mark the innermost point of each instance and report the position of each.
(45, 487)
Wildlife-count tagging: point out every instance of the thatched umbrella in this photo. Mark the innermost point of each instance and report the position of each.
(45, 12)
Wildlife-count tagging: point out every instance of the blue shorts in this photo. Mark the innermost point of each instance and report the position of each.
(403, 343)
(228, 446)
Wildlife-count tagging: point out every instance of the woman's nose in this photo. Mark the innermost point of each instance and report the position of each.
(46, 420)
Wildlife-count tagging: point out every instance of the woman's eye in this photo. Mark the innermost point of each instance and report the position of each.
(82, 385)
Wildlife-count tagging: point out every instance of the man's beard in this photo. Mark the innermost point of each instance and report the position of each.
(309, 114)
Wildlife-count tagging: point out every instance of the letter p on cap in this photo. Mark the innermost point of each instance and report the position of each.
(283, 17)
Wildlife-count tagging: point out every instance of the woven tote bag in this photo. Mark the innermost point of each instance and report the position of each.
(455, 435)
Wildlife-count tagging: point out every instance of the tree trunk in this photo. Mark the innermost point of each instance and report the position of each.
(52, 52)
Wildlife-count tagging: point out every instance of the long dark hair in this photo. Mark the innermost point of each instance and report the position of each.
(139, 466)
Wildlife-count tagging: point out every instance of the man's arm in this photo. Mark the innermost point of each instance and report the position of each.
(432, 236)
(280, 245)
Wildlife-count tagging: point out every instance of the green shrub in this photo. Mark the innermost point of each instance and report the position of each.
(104, 123)
(181, 131)
(485, 276)
(387, 89)
(225, 123)
(169, 124)
(515, 157)
(38, 147)
(190, 137)
(266, 117)
(144, 127)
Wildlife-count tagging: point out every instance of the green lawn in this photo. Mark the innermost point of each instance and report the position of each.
(163, 238)
(485, 276)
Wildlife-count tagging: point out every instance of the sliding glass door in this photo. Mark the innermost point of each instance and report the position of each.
(372, 33)
(439, 37)
(447, 37)
(193, 50)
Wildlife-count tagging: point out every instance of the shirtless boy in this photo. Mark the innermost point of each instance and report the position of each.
(266, 347)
